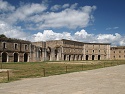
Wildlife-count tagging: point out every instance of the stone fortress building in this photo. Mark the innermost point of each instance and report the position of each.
(14, 50)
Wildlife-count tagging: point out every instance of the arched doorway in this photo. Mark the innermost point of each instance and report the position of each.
(25, 57)
(4, 57)
(87, 57)
(15, 57)
(93, 57)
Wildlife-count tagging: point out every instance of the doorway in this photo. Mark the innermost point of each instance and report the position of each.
(25, 57)
(4, 57)
(87, 57)
(15, 57)
(93, 57)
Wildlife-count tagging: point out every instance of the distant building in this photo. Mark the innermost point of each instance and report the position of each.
(14, 50)
(118, 53)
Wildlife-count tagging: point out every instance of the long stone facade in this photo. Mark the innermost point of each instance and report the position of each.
(14, 50)
(69, 50)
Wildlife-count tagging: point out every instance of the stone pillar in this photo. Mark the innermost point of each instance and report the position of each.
(79, 58)
(59, 54)
(62, 57)
(44, 56)
(83, 57)
(21, 56)
(28, 57)
(67, 57)
(71, 58)
(76, 57)
(52, 55)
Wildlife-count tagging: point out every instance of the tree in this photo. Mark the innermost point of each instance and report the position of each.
(2, 36)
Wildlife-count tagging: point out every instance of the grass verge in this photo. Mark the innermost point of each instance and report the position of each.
(41, 69)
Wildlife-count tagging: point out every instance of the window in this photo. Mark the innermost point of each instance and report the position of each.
(93, 51)
(4, 45)
(114, 51)
(26, 47)
(87, 51)
(119, 51)
(15, 46)
(114, 56)
(119, 56)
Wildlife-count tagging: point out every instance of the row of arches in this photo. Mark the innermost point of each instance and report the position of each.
(53, 53)
(5, 57)
(73, 57)
(93, 57)
(80, 57)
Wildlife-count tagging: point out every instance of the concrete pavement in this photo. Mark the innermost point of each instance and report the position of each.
(109, 80)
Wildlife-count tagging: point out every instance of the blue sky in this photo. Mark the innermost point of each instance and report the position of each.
(82, 20)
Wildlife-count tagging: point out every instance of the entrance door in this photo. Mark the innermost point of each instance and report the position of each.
(15, 57)
(4, 57)
(64, 57)
(93, 57)
(99, 57)
(25, 57)
(87, 57)
(69, 57)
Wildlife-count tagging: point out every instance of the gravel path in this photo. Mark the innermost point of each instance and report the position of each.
(110, 80)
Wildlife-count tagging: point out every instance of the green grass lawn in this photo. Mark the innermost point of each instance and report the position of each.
(36, 69)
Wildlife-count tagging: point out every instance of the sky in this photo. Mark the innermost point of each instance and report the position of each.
(93, 21)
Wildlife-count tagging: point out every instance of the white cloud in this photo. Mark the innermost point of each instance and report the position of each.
(5, 6)
(41, 17)
(55, 7)
(81, 36)
(50, 35)
(23, 12)
(68, 18)
(65, 6)
(73, 6)
(113, 28)
(12, 32)
(58, 7)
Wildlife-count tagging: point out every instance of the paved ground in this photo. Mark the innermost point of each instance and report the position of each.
(109, 80)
